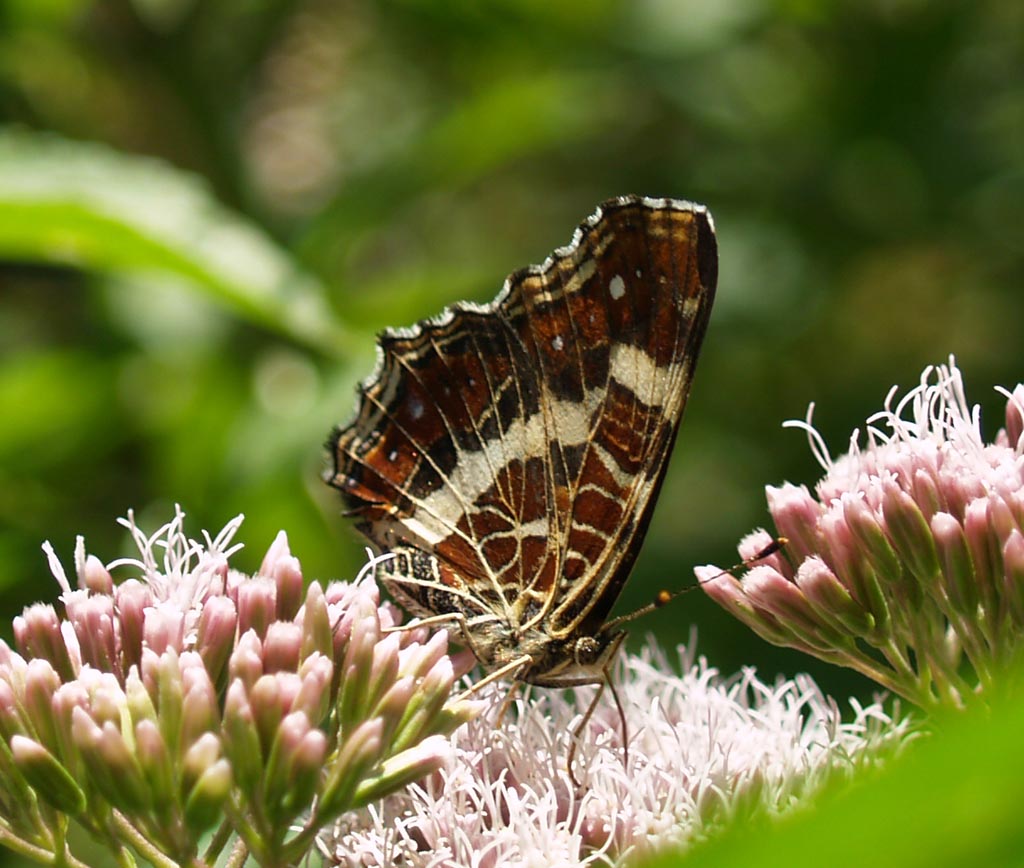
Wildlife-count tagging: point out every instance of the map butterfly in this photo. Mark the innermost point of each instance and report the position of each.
(509, 455)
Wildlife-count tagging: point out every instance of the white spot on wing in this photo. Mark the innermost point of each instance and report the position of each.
(558, 343)
(617, 287)
(416, 409)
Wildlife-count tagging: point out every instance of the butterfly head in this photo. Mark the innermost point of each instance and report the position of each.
(565, 662)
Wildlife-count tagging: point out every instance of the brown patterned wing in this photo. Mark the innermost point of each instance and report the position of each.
(519, 446)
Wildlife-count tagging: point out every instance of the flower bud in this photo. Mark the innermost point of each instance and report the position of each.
(957, 566)
(795, 513)
(830, 600)
(359, 753)
(257, 606)
(405, 768)
(37, 633)
(47, 776)
(241, 738)
(316, 624)
(95, 577)
(131, 599)
(284, 569)
(204, 804)
(41, 684)
(216, 635)
(281, 647)
(156, 764)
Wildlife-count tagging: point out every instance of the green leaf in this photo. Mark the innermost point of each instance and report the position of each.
(87, 206)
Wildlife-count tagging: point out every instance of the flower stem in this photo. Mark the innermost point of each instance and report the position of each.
(36, 853)
(127, 832)
(217, 843)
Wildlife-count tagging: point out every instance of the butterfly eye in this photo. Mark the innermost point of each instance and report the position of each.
(586, 650)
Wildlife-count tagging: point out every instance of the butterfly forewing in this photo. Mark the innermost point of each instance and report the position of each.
(512, 453)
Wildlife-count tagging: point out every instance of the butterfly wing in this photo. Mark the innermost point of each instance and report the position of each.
(520, 445)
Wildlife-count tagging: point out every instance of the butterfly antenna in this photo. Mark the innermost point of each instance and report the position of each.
(663, 597)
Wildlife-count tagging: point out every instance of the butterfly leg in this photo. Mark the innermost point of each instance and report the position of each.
(465, 637)
(577, 730)
(432, 621)
(495, 674)
(506, 703)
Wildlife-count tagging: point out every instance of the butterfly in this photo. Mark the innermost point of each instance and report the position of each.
(509, 455)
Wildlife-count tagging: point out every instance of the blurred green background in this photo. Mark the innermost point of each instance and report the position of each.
(208, 209)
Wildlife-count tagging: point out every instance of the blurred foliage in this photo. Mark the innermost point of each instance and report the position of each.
(207, 209)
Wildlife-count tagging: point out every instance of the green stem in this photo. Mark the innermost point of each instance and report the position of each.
(142, 845)
(889, 680)
(218, 842)
(249, 835)
(298, 846)
(36, 853)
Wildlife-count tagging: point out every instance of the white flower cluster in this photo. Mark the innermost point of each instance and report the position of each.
(704, 750)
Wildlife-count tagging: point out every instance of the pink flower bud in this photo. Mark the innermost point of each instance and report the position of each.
(41, 684)
(246, 663)
(164, 627)
(316, 623)
(726, 590)
(155, 762)
(770, 591)
(405, 768)
(830, 600)
(912, 539)
(284, 569)
(360, 751)
(216, 634)
(278, 778)
(985, 552)
(1013, 580)
(201, 754)
(957, 567)
(795, 513)
(1015, 418)
(47, 776)
(257, 605)
(871, 538)
(314, 696)
(204, 804)
(925, 493)
(131, 599)
(241, 738)
(281, 647)
(37, 633)
(95, 577)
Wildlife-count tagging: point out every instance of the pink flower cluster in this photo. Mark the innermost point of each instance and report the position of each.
(907, 563)
(192, 699)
